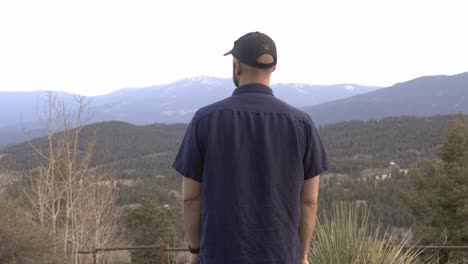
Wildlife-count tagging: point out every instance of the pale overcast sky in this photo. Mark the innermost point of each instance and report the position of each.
(95, 47)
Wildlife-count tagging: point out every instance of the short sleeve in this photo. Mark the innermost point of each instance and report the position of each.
(315, 159)
(190, 158)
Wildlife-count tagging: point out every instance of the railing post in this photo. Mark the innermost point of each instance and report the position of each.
(94, 256)
(161, 250)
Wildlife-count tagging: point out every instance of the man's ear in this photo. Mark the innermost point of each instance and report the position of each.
(274, 68)
(239, 69)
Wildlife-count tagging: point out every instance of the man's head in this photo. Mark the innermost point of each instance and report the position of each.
(254, 59)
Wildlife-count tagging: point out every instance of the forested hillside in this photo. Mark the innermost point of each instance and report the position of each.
(141, 158)
(403, 140)
(115, 141)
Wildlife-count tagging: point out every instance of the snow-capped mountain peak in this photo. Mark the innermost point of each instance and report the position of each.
(349, 87)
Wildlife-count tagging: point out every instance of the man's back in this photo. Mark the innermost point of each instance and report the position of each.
(252, 153)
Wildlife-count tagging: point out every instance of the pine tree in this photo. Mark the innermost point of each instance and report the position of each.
(151, 224)
(439, 191)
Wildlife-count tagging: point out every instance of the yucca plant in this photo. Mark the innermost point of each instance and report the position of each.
(346, 236)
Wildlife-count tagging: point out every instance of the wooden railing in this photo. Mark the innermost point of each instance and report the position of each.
(162, 249)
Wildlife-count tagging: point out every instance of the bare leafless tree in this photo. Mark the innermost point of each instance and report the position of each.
(4, 181)
(69, 196)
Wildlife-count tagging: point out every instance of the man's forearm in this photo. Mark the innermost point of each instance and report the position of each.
(307, 226)
(192, 219)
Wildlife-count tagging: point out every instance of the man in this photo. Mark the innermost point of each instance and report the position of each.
(251, 164)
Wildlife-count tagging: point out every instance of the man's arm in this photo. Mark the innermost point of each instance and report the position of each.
(191, 199)
(309, 195)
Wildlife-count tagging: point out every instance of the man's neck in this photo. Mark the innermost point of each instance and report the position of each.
(264, 81)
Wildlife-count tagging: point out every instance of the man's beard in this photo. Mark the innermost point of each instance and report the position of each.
(234, 79)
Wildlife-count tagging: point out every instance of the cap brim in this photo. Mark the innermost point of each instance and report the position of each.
(227, 53)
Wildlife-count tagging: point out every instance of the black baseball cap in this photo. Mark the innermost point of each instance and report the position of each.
(252, 45)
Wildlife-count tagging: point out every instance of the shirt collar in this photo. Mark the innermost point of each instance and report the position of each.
(253, 87)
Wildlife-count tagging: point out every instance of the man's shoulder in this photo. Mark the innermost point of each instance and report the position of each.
(216, 106)
(274, 105)
(293, 111)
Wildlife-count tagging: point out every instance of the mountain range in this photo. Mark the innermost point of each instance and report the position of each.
(425, 96)
(176, 102)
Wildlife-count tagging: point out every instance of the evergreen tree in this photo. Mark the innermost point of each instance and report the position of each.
(151, 224)
(439, 191)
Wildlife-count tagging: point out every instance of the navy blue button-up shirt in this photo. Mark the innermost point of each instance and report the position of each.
(251, 152)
